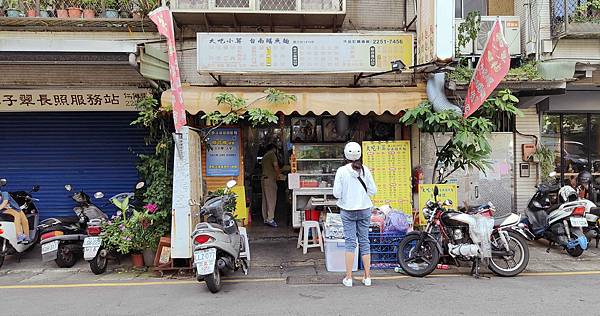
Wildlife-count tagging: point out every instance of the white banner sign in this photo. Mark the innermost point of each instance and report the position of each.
(70, 100)
(301, 52)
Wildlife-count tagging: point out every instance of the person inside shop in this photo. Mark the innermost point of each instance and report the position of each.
(9, 206)
(353, 187)
(270, 174)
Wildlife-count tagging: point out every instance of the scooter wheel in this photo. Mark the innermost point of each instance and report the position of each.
(65, 257)
(213, 281)
(98, 264)
(575, 252)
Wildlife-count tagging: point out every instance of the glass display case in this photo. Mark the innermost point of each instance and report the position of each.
(316, 164)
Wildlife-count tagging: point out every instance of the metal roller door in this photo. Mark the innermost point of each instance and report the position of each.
(93, 151)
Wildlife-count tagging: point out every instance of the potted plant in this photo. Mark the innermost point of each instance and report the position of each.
(143, 7)
(89, 8)
(30, 8)
(46, 8)
(13, 9)
(125, 8)
(61, 9)
(111, 9)
(74, 9)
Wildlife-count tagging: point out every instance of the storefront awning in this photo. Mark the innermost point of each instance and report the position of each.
(315, 100)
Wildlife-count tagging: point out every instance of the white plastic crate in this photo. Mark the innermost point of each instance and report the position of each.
(335, 256)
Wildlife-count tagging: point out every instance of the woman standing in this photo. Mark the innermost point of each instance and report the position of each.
(353, 188)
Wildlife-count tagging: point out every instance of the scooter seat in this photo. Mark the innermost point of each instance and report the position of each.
(205, 225)
(67, 220)
(506, 220)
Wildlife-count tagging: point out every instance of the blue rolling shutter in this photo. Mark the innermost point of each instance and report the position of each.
(93, 151)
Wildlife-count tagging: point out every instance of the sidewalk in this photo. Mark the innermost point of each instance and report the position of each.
(271, 258)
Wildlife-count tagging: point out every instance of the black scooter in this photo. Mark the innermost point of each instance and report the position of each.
(62, 237)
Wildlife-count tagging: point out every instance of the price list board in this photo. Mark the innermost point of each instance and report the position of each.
(389, 162)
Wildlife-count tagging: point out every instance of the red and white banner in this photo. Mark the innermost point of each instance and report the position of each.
(163, 19)
(491, 69)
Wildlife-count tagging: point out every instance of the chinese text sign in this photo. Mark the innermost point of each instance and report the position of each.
(223, 156)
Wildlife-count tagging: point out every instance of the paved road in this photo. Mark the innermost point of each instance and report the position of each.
(533, 294)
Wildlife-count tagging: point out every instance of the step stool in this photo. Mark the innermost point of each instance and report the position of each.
(246, 250)
(315, 242)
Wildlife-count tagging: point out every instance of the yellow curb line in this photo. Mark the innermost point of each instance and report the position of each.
(258, 280)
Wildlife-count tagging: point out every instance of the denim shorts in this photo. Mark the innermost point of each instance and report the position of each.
(356, 227)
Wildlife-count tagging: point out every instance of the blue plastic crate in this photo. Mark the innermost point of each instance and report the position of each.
(384, 250)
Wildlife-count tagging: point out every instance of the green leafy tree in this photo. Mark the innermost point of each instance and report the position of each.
(468, 146)
(240, 109)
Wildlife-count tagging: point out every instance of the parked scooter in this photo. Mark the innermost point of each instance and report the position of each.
(474, 235)
(94, 252)
(218, 245)
(562, 224)
(592, 212)
(8, 234)
(62, 237)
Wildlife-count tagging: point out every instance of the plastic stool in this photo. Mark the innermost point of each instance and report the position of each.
(303, 241)
(246, 252)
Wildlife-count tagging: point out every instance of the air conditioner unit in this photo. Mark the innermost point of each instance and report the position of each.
(512, 34)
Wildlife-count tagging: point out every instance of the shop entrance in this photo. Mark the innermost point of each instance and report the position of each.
(312, 147)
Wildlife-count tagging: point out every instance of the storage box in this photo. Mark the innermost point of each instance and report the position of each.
(335, 256)
(384, 250)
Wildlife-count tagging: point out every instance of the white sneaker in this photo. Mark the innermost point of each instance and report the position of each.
(366, 282)
(347, 282)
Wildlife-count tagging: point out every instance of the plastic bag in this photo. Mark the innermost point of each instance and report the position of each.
(480, 232)
(334, 229)
(397, 222)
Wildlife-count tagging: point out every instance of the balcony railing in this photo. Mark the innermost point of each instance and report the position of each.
(261, 6)
(575, 18)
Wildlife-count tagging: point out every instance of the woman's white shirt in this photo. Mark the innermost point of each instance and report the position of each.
(350, 192)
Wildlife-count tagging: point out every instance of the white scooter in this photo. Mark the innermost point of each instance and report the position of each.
(218, 244)
(8, 234)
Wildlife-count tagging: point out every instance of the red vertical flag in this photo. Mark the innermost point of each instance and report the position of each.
(163, 19)
(491, 69)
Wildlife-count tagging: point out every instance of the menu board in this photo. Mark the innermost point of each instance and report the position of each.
(389, 162)
(223, 156)
(302, 52)
(445, 192)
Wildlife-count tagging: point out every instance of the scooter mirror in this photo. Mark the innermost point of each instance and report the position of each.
(36, 188)
(448, 202)
(2, 182)
(436, 191)
(231, 183)
(68, 187)
(140, 185)
(98, 195)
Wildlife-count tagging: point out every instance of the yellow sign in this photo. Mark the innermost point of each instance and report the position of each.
(302, 52)
(70, 100)
(241, 212)
(446, 192)
(390, 164)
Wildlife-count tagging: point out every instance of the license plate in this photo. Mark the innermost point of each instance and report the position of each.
(578, 221)
(205, 260)
(50, 247)
(91, 245)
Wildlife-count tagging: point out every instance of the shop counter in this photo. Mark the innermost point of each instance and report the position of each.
(301, 198)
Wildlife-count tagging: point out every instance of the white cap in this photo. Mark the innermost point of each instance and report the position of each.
(352, 151)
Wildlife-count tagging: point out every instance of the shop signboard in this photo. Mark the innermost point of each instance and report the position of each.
(223, 154)
(435, 31)
(389, 161)
(446, 192)
(23, 100)
(302, 53)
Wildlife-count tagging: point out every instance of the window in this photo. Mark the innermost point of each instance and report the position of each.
(463, 7)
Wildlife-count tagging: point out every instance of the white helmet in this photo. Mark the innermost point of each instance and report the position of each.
(352, 151)
(567, 194)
